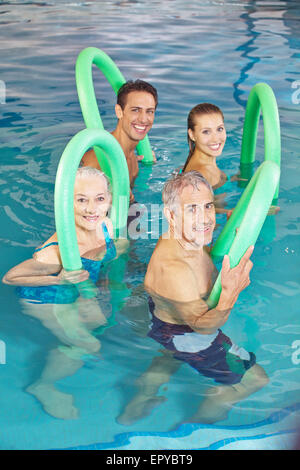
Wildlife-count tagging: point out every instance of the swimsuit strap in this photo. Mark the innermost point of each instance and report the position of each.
(106, 234)
(45, 246)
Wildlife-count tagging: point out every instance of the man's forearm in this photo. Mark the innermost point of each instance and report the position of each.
(211, 320)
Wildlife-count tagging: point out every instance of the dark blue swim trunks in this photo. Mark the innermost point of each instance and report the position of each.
(214, 355)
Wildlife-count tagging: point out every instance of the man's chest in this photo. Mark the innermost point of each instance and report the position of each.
(133, 168)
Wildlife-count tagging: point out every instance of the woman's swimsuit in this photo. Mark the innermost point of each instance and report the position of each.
(212, 355)
(67, 293)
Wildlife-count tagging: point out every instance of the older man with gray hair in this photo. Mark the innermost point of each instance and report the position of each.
(179, 278)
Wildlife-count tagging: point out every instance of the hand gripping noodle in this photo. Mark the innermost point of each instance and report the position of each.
(87, 98)
(248, 216)
(251, 211)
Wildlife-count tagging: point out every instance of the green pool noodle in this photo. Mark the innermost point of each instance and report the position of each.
(87, 97)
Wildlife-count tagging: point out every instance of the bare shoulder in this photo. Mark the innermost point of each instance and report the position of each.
(222, 180)
(48, 254)
(205, 171)
(90, 159)
(121, 244)
(197, 166)
(173, 279)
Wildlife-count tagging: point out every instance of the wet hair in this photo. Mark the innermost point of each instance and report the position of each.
(175, 185)
(137, 85)
(198, 110)
(86, 171)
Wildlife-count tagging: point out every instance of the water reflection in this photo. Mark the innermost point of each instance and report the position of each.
(209, 51)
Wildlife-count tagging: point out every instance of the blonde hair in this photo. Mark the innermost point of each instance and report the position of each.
(198, 110)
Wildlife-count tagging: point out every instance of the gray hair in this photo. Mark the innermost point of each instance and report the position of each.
(175, 185)
(86, 171)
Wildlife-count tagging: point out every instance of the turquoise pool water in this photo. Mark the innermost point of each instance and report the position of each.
(213, 51)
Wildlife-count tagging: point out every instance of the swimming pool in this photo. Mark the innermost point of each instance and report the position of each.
(215, 51)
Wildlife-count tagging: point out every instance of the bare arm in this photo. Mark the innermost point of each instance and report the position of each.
(200, 318)
(193, 310)
(121, 244)
(90, 159)
(32, 273)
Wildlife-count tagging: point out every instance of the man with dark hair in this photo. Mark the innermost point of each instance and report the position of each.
(135, 110)
(137, 85)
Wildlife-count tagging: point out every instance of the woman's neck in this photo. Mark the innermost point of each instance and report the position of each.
(204, 159)
(88, 239)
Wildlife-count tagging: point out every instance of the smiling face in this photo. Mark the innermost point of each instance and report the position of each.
(194, 221)
(91, 201)
(209, 134)
(136, 119)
